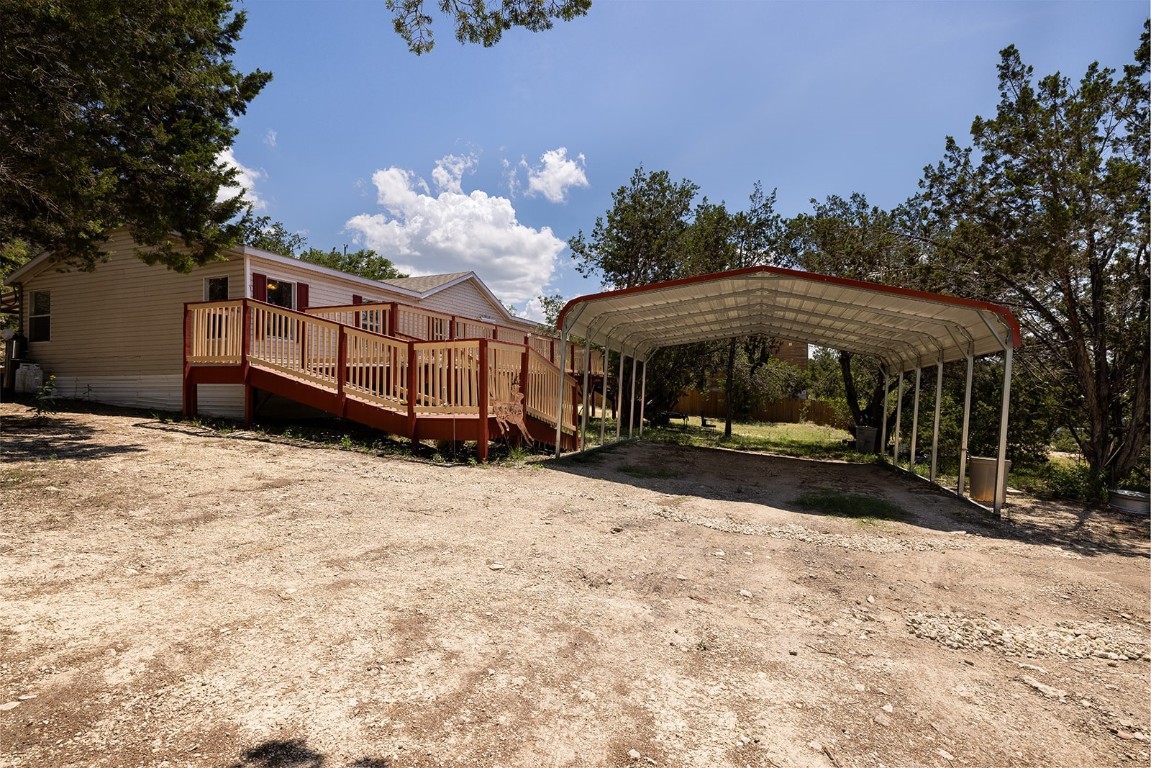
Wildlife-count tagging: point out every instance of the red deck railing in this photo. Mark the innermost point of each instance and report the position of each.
(330, 352)
(404, 321)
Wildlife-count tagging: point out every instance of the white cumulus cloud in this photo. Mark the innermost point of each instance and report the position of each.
(556, 174)
(425, 231)
(245, 185)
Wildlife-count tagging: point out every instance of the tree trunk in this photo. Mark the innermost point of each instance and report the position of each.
(849, 390)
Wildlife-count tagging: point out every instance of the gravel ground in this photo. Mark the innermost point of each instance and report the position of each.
(170, 596)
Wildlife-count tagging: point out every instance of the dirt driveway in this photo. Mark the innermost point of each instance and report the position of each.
(173, 597)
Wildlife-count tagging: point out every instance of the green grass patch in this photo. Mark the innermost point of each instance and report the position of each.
(862, 508)
(10, 478)
(806, 440)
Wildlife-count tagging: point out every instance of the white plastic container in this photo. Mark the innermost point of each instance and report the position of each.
(29, 378)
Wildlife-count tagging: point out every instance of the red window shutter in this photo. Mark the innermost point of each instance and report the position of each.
(259, 287)
(301, 296)
(357, 298)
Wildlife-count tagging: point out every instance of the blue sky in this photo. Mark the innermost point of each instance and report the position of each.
(490, 159)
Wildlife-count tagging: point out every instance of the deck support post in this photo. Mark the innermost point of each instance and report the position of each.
(525, 371)
(412, 362)
(189, 388)
(915, 416)
(341, 370)
(482, 439)
(560, 394)
(246, 364)
(963, 452)
(935, 428)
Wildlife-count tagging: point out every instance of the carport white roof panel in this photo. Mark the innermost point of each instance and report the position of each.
(903, 327)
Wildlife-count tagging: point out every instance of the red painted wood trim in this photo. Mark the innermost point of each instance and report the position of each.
(411, 388)
(342, 369)
(188, 394)
(482, 439)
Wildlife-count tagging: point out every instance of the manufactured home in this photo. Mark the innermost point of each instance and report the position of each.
(225, 337)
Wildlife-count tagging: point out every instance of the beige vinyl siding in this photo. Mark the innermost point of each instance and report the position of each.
(467, 299)
(119, 327)
(324, 290)
(160, 393)
(464, 299)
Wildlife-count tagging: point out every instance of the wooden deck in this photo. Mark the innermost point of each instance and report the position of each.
(344, 361)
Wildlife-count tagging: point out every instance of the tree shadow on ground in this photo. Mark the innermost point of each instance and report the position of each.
(28, 437)
(756, 478)
(295, 753)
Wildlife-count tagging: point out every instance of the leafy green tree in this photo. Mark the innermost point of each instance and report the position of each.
(1048, 211)
(272, 236)
(364, 262)
(640, 240)
(552, 305)
(116, 114)
(267, 235)
(653, 233)
(716, 241)
(479, 21)
(848, 237)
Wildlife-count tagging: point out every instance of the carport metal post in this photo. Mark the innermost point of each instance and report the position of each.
(966, 425)
(898, 420)
(583, 392)
(882, 439)
(619, 397)
(603, 393)
(1001, 466)
(642, 397)
(631, 402)
(560, 396)
(915, 416)
(935, 428)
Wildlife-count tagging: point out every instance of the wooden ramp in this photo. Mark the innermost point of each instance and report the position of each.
(459, 389)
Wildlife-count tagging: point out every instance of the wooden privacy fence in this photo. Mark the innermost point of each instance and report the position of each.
(713, 405)
(329, 351)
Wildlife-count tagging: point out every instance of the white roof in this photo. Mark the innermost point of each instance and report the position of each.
(902, 327)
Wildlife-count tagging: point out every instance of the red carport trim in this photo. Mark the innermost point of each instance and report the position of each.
(815, 277)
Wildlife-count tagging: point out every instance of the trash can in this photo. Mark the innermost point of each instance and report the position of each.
(983, 480)
(865, 439)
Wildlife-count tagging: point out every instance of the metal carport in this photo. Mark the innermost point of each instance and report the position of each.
(907, 330)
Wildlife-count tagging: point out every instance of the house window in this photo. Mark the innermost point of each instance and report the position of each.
(216, 289)
(40, 317)
(281, 293)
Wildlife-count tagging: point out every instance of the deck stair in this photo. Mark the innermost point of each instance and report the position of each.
(375, 365)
